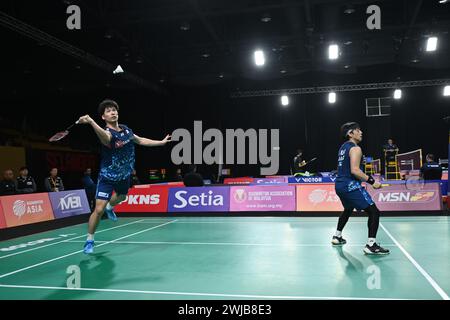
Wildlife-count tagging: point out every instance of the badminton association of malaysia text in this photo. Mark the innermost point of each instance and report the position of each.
(227, 309)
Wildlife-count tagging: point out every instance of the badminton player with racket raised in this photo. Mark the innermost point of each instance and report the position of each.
(350, 191)
(117, 163)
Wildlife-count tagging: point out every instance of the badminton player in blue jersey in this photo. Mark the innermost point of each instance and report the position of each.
(351, 193)
(117, 163)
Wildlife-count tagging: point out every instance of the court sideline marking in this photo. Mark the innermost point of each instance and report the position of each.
(234, 244)
(418, 267)
(78, 251)
(66, 240)
(194, 293)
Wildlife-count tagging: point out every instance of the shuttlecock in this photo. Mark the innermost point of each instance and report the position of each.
(118, 70)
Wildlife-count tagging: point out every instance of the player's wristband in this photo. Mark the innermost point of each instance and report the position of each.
(371, 180)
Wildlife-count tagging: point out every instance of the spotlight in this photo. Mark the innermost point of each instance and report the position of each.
(284, 100)
(332, 97)
(447, 91)
(259, 58)
(333, 52)
(432, 44)
(397, 94)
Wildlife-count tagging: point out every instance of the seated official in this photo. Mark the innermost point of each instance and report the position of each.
(24, 182)
(431, 170)
(192, 178)
(8, 184)
(390, 150)
(54, 183)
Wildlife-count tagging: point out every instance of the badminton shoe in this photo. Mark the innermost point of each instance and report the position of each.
(338, 241)
(375, 249)
(89, 247)
(111, 215)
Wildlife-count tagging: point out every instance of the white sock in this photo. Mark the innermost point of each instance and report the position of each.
(338, 234)
(109, 206)
(90, 237)
(371, 241)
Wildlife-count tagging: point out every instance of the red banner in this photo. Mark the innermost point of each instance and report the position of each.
(2, 218)
(71, 161)
(25, 209)
(243, 180)
(152, 199)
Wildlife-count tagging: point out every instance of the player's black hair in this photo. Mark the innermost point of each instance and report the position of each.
(22, 168)
(346, 127)
(107, 103)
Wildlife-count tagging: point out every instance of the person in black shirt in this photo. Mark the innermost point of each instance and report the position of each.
(54, 183)
(299, 163)
(390, 150)
(431, 170)
(134, 178)
(89, 186)
(8, 185)
(25, 183)
(192, 178)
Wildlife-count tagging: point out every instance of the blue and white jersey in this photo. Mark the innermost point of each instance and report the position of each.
(345, 179)
(118, 157)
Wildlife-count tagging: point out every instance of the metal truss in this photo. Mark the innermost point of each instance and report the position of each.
(40, 36)
(351, 87)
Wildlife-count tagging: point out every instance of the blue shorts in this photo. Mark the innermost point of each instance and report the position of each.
(106, 187)
(358, 198)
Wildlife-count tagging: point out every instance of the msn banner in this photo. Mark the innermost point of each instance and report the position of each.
(399, 198)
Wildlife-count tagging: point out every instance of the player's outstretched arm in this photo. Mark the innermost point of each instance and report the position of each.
(102, 134)
(151, 143)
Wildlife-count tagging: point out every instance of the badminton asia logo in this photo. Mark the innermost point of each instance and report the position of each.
(21, 207)
(318, 196)
(213, 153)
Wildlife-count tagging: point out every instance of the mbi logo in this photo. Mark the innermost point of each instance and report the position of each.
(202, 200)
(142, 199)
(69, 202)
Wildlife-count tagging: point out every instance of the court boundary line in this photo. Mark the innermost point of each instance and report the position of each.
(79, 251)
(235, 244)
(433, 283)
(65, 240)
(197, 293)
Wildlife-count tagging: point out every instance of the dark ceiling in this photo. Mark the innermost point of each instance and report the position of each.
(147, 39)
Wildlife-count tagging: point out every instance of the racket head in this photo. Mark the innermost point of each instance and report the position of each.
(415, 183)
(58, 136)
